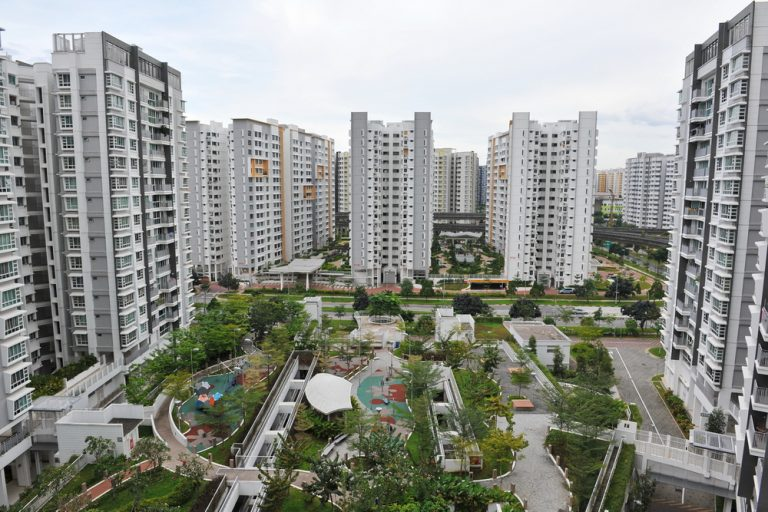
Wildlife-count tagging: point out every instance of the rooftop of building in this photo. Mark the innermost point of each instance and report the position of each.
(539, 330)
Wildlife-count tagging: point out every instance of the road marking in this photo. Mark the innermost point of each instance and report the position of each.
(637, 390)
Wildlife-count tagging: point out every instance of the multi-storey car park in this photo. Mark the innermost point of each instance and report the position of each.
(539, 207)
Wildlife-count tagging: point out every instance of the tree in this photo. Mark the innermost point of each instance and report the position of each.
(427, 288)
(631, 326)
(558, 370)
(491, 357)
(586, 290)
(151, 449)
(425, 325)
(361, 299)
(524, 308)
(193, 467)
(566, 314)
(499, 448)
(660, 254)
(532, 344)
(338, 310)
(642, 311)
(585, 411)
(656, 291)
(329, 477)
(716, 421)
(384, 304)
(641, 493)
(419, 377)
(521, 378)
(178, 385)
(467, 304)
(537, 290)
(621, 288)
(496, 407)
(594, 365)
(229, 282)
(598, 315)
(406, 287)
(103, 452)
(618, 249)
(549, 320)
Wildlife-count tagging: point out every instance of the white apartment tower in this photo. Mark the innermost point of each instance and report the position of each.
(209, 201)
(343, 182)
(713, 251)
(462, 184)
(282, 193)
(455, 181)
(391, 218)
(115, 189)
(539, 206)
(645, 188)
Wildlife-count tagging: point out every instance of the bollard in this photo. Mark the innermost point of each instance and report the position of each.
(494, 474)
(512, 488)
(231, 462)
(525, 504)
(83, 487)
(557, 460)
(565, 472)
(210, 458)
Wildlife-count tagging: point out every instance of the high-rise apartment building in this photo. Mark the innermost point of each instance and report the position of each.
(645, 190)
(481, 190)
(539, 208)
(391, 218)
(282, 193)
(343, 182)
(209, 200)
(455, 181)
(115, 197)
(714, 330)
(607, 182)
(441, 178)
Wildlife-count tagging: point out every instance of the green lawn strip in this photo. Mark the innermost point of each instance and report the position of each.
(160, 486)
(638, 268)
(86, 475)
(583, 457)
(614, 498)
(577, 330)
(674, 405)
(636, 416)
(412, 445)
(299, 501)
(470, 389)
(490, 331)
(146, 431)
(311, 448)
(658, 352)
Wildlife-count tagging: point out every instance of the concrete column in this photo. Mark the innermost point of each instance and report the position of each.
(281, 282)
(3, 490)
(306, 281)
(23, 470)
(38, 463)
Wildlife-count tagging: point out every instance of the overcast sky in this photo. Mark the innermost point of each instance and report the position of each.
(471, 63)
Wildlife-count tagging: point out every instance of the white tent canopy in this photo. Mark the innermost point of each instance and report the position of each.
(327, 393)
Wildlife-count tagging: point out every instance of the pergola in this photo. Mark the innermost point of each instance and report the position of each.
(306, 266)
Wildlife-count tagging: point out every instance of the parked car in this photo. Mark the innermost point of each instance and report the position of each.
(566, 291)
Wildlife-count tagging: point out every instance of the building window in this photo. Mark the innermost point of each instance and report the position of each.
(70, 203)
(6, 213)
(7, 241)
(10, 298)
(78, 301)
(75, 263)
(19, 378)
(69, 183)
(73, 243)
(9, 269)
(81, 340)
(63, 80)
(79, 320)
(22, 404)
(72, 223)
(76, 282)
(14, 325)
(65, 122)
(67, 142)
(67, 163)
(65, 101)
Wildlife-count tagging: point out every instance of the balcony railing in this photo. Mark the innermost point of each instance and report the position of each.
(762, 357)
(760, 440)
(13, 440)
(761, 395)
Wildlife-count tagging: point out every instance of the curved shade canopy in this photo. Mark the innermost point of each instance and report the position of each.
(327, 393)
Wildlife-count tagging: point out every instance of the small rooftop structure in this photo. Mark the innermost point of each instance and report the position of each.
(548, 339)
(306, 266)
(381, 332)
(313, 306)
(117, 422)
(328, 393)
(449, 326)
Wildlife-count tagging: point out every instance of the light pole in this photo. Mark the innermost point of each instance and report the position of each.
(191, 362)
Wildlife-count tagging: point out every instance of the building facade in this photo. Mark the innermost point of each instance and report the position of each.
(539, 208)
(114, 180)
(441, 178)
(609, 181)
(209, 201)
(714, 320)
(455, 181)
(645, 189)
(282, 193)
(343, 183)
(481, 190)
(391, 217)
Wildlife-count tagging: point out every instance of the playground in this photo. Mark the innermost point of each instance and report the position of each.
(211, 418)
(385, 396)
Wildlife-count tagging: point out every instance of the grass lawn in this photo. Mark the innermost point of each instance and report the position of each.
(658, 352)
(222, 452)
(340, 327)
(312, 447)
(636, 416)
(159, 489)
(454, 286)
(583, 457)
(297, 502)
(412, 445)
(475, 386)
(614, 498)
(490, 331)
(87, 475)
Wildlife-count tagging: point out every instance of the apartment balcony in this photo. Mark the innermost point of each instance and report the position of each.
(757, 442)
(697, 193)
(760, 399)
(761, 361)
(700, 115)
(693, 213)
(688, 252)
(699, 135)
(684, 308)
